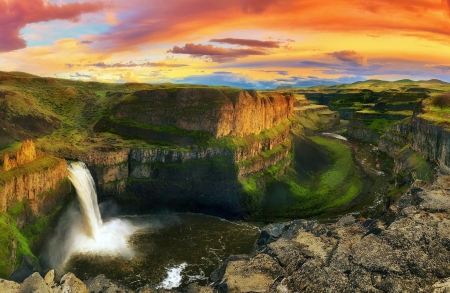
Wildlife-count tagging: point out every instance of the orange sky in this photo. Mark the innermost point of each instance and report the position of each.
(247, 43)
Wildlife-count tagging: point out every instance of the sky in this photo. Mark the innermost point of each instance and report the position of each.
(244, 43)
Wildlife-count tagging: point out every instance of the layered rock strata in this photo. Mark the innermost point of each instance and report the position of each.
(220, 112)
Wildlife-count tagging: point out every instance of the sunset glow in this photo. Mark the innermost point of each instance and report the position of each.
(244, 43)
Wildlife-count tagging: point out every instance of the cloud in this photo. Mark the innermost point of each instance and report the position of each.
(133, 64)
(177, 19)
(443, 67)
(350, 57)
(447, 2)
(216, 54)
(79, 75)
(247, 42)
(85, 42)
(259, 6)
(280, 72)
(16, 14)
(308, 63)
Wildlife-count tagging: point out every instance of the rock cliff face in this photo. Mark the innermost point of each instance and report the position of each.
(30, 197)
(369, 125)
(406, 252)
(358, 130)
(431, 140)
(202, 179)
(220, 112)
(396, 138)
(41, 183)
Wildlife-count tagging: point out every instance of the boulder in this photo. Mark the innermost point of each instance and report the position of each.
(28, 266)
(35, 283)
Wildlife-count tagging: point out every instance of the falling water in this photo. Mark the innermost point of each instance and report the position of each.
(80, 229)
(84, 184)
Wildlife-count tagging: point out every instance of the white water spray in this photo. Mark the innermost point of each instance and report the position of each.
(84, 184)
(81, 229)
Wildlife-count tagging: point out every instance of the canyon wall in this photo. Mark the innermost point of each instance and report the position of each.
(204, 179)
(40, 185)
(31, 197)
(431, 140)
(369, 126)
(222, 112)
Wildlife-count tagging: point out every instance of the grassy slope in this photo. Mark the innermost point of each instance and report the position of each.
(292, 197)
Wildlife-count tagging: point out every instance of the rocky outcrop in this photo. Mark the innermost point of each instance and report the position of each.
(220, 112)
(406, 252)
(26, 153)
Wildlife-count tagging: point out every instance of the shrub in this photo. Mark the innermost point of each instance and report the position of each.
(442, 101)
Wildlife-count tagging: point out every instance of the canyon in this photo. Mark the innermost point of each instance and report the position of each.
(222, 151)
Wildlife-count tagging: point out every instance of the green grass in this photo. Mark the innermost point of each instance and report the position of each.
(422, 169)
(290, 197)
(381, 125)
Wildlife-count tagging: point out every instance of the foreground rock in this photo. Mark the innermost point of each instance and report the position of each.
(409, 251)
(69, 283)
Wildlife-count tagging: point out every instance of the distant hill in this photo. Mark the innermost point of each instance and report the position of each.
(375, 85)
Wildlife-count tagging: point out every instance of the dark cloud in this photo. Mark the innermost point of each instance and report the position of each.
(133, 64)
(216, 54)
(350, 57)
(85, 42)
(247, 42)
(16, 14)
(308, 63)
(79, 75)
(280, 72)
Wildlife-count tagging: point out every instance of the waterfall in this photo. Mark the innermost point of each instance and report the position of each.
(84, 184)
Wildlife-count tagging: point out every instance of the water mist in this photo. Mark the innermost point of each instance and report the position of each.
(81, 229)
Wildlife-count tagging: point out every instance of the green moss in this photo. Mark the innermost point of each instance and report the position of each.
(34, 232)
(13, 245)
(18, 209)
